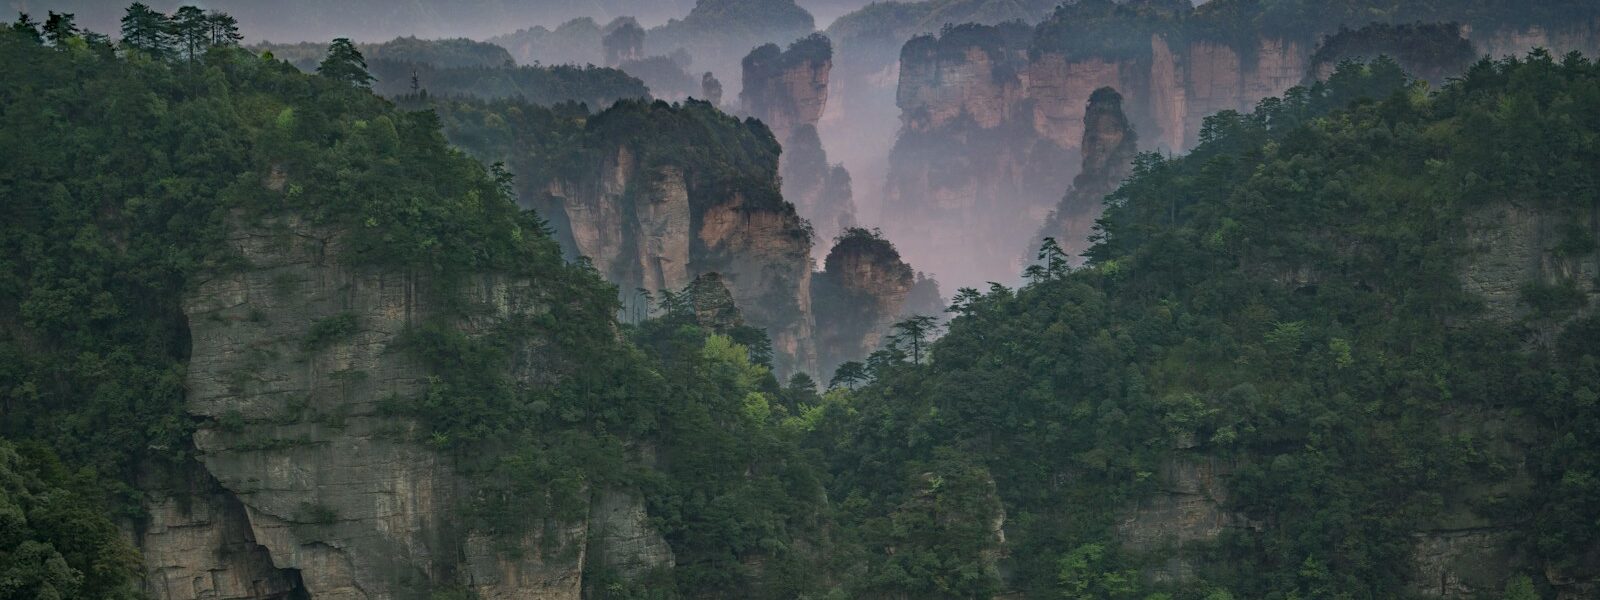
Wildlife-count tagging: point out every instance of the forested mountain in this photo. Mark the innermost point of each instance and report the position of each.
(267, 335)
(161, 208)
(1339, 350)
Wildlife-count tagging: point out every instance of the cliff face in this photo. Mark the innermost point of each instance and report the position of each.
(788, 91)
(789, 88)
(1109, 146)
(970, 173)
(314, 478)
(859, 294)
(647, 228)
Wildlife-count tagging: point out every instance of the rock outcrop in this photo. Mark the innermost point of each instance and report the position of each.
(315, 475)
(647, 227)
(788, 91)
(860, 292)
(1109, 146)
(711, 89)
(787, 88)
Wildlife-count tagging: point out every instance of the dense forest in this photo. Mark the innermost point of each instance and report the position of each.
(1287, 299)
(1307, 308)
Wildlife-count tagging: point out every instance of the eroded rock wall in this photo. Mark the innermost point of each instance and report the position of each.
(648, 229)
(345, 499)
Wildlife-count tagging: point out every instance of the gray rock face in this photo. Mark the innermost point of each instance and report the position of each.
(292, 356)
(1188, 510)
(197, 544)
(1513, 246)
(661, 236)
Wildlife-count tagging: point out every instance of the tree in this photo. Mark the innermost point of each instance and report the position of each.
(27, 26)
(848, 375)
(146, 30)
(345, 63)
(224, 29)
(191, 29)
(1053, 258)
(59, 27)
(915, 331)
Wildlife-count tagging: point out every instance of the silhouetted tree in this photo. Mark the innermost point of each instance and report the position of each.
(58, 27)
(191, 30)
(848, 375)
(27, 26)
(914, 331)
(146, 30)
(345, 63)
(224, 29)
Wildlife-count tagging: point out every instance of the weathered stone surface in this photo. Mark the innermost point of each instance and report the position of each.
(197, 544)
(785, 98)
(650, 231)
(329, 485)
(622, 539)
(1513, 246)
(1189, 508)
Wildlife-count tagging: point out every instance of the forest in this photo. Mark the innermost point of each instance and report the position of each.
(1308, 322)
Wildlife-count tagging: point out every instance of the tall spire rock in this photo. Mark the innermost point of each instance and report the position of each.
(788, 90)
(1109, 146)
(860, 292)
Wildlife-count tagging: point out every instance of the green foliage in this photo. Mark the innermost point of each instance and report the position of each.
(1320, 340)
(55, 539)
(324, 332)
(345, 63)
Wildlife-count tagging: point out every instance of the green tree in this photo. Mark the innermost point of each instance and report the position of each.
(345, 63)
(146, 30)
(191, 30)
(850, 374)
(914, 333)
(28, 27)
(59, 27)
(224, 29)
(1520, 588)
(1053, 258)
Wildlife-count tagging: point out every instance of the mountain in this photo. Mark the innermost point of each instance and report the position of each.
(1343, 348)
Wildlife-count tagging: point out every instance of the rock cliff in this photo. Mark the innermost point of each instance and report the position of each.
(321, 490)
(650, 215)
(860, 292)
(788, 90)
(656, 194)
(1109, 146)
(647, 229)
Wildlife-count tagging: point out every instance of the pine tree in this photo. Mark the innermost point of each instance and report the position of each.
(59, 27)
(224, 29)
(27, 26)
(191, 29)
(848, 375)
(345, 63)
(146, 30)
